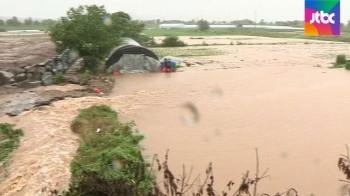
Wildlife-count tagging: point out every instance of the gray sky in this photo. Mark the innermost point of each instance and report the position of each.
(269, 10)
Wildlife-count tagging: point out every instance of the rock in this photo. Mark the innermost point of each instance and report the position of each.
(34, 84)
(36, 75)
(83, 82)
(72, 79)
(29, 76)
(5, 77)
(59, 67)
(12, 81)
(48, 68)
(16, 71)
(47, 79)
(29, 69)
(42, 70)
(20, 77)
(43, 64)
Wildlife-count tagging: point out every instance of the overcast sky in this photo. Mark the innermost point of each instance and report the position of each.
(269, 10)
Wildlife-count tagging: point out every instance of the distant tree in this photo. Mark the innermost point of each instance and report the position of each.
(36, 22)
(2, 22)
(203, 25)
(158, 21)
(13, 21)
(28, 21)
(262, 22)
(47, 22)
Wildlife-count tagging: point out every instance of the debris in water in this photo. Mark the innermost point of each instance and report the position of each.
(189, 114)
(97, 90)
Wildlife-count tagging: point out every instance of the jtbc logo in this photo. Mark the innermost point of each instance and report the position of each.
(316, 17)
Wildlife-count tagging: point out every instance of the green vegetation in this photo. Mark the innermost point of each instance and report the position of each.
(186, 52)
(347, 65)
(109, 160)
(9, 141)
(345, 37)
(24, 27)
(58, 79)
(93, 32)
(340, 61)
(203, 25)
(172, 41)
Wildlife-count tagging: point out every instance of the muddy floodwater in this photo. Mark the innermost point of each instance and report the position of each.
(277, 95)
(283, 100)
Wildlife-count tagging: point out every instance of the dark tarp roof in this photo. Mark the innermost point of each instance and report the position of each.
(128, 47)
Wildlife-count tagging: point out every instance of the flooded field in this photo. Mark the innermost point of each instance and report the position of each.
(280, 98)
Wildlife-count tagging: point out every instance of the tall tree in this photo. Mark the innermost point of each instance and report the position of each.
(203, 25)
(2, 22)
(28, 21)
(13, 21)
(93, 32)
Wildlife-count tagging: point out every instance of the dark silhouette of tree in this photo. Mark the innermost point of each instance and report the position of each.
(2, 22)
(28, 21)
(13, 21)
(203, 25)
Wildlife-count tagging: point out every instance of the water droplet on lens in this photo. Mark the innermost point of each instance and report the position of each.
(189, 114)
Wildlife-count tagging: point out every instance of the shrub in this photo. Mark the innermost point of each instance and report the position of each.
(341, 59)
(2, 30)
(172, 41)
(9, 140)
(109, 161)
(347, 65)
(58, 79)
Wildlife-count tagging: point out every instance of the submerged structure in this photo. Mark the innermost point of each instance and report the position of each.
(131, 57)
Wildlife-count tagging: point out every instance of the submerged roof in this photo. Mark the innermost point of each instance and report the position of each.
(128, 46)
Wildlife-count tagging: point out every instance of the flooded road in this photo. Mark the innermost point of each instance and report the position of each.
(296, 114)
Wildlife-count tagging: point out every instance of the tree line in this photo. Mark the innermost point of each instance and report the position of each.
(14, 21)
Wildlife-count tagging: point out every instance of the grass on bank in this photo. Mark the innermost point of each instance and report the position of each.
(9, 141)
(109, 159)
(24, 27)
(345, 37)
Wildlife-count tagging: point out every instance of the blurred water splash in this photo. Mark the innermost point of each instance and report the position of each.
(217, 93)
(189, 114)
(107, 20)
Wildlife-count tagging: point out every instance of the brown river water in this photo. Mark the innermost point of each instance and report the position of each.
(283, 100)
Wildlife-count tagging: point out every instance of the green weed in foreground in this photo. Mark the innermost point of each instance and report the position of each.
(341, 62)
(186, 52)
(9, 140)
(109, 161)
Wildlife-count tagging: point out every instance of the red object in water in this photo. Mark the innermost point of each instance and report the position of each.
(164, 70)
(116, 73)
(97, 90)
